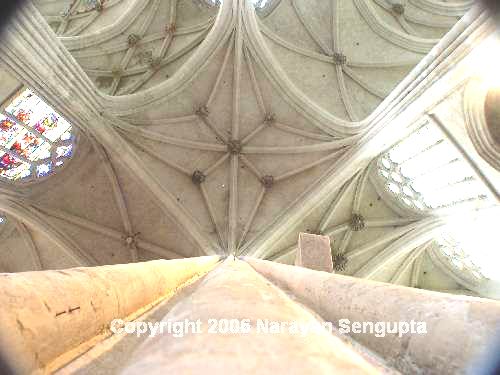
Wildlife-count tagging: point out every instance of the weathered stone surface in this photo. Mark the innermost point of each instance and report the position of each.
(235, 291)
(314, 252)
(45, 314)
(458, 327)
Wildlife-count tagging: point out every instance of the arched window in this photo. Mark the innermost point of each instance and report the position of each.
(35, 140)
(425, 171)
(469, 245)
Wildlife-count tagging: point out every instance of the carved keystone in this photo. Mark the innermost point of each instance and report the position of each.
(170, 29)
(155, 63)
(131, 240)
(234, 147)
(267, 181)
(357, 222)
(198, 177)
(339, 58)
(269, 119)
(133, 39)
(117, 72)
(398, 9)
(339, 262)
(202, 111)
(314, 252)
(65, 13)
(145, 57)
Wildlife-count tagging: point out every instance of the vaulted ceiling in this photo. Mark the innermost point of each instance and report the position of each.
(283, 93)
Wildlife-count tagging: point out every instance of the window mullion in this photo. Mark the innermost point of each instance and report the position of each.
(14, 154)
(28, 128)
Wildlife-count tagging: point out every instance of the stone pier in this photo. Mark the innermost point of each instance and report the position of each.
(250, 314)
(459, 328)
(230, 293)
(48, 318)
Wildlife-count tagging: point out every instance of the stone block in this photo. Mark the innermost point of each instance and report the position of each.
(314, 252)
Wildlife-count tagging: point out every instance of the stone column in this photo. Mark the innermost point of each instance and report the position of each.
(234, 291)
(47, 318)
(458, 327)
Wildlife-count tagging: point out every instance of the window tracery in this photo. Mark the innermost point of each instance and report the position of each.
(35, 140)
(458, 258)
(469, 244)
(425, 171)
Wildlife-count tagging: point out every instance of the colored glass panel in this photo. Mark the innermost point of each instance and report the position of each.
(29, 131)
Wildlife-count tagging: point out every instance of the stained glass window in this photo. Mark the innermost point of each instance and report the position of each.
(34, 139)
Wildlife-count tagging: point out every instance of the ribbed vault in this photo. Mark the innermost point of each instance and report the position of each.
(217, 122)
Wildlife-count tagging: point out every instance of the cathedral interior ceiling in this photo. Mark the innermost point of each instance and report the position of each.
(280, 94)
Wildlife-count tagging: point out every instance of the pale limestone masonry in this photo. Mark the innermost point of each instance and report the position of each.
(48, 318)
(235, 291)
(459, 328)
(210, 134)
(65, 324)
